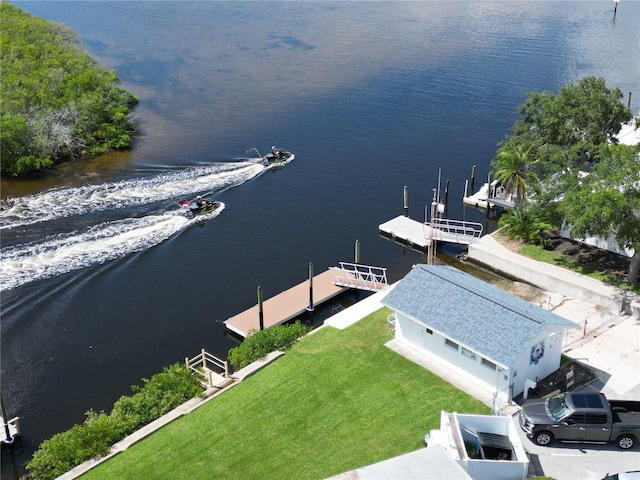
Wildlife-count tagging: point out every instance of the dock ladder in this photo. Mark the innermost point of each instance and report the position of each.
(362, 277)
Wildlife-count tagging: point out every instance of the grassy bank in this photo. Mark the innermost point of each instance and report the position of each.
(336, 401)
(606, 267)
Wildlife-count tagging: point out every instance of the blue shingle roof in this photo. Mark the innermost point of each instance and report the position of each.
(494, 323)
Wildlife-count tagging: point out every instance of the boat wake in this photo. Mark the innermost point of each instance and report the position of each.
(65, 202)
(63, 253)
(40, 255)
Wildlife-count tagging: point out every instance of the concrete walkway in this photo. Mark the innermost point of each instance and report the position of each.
(611, 346)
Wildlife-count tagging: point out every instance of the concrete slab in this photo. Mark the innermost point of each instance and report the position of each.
(432, 463)
(579, 461)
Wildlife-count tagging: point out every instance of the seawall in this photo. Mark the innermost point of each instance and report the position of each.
(491, 253)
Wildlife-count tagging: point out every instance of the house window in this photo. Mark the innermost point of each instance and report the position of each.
(489, 364)
(451, 343)
(468, 353)
(429, 331)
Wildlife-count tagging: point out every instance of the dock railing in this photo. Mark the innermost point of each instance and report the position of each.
(202, 363)
(363, 277)
(14, 430)
(595, 321)
(456, 231)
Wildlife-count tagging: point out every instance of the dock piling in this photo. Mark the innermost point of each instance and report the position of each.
(406, 201)
(260, 312)
(310, 307)
(446, 196)
(473, 180)
(356, 256)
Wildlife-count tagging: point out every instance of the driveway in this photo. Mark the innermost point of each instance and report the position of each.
(572, 461)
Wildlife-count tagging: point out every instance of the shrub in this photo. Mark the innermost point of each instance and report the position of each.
(65, 450)
(93, 438)
(524, 224)
(158, 395)
(256, 346)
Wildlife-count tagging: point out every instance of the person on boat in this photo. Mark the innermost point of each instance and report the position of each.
(185, 204)
(200, 202)
(274, 151)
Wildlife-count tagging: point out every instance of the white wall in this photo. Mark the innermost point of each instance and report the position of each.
(434, 345)
(546, 365)
(516, 468)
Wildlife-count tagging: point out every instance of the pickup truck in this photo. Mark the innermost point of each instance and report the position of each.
(581, 417)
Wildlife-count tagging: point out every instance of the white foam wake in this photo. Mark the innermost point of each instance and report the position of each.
(108, 241)
(65, 202)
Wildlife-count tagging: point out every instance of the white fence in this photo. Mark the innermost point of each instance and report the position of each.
(201, 364)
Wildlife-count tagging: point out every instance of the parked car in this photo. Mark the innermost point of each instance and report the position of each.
(635, 475)
(581, 417)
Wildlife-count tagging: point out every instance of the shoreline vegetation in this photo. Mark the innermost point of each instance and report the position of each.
(605, 266)
(57, 102)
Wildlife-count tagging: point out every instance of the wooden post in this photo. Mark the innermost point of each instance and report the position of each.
(226, 369)
(615, 8)
(473, 180)
(356, 257)
(310, 306)
(629, 102)
(260, 312)
(186, 362)
(7, 432)
(406, 201)
(446, 197)
(486, 216)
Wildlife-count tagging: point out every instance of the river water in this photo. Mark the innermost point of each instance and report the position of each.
(103, 283)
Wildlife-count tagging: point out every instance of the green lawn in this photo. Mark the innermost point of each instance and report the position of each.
(336, 401)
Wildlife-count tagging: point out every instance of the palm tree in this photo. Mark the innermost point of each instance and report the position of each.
(512, 168)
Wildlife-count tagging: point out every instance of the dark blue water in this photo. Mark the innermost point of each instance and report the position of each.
(371, 97)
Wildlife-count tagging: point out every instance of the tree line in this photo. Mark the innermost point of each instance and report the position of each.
(57, 102)
(563, 165)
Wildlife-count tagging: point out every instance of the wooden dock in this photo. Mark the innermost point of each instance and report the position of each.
(285, 306)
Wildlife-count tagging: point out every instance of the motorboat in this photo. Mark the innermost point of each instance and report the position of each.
(201, 207)
(278, 155)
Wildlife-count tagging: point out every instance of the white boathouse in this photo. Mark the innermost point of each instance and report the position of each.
(497, 340)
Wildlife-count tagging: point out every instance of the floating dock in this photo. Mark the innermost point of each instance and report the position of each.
(285, 306)
(419, 235)
(406, 231)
